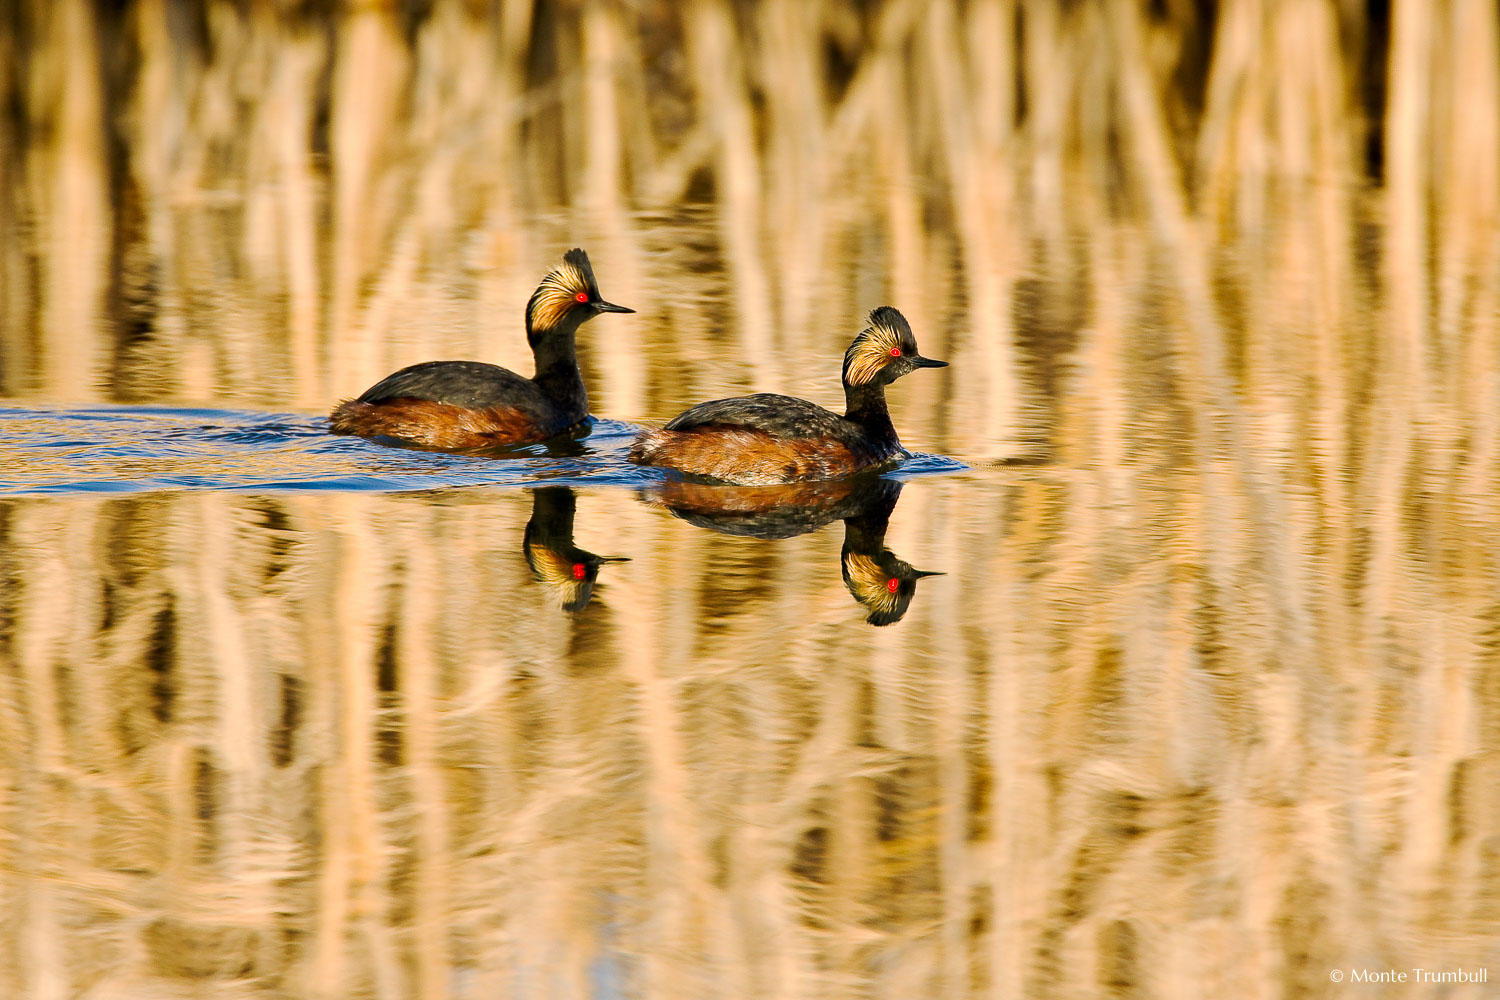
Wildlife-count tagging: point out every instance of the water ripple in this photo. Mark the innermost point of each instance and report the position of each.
(122, 449)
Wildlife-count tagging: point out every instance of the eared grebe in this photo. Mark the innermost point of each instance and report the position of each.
(551, 554)
(768, 438)
(470, 404)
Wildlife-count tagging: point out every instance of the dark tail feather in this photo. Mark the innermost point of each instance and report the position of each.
(343, 418)
(643, 451)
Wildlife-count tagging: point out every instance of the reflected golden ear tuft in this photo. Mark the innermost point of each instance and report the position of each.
(567, 578)
(870, 585)
(550, 566)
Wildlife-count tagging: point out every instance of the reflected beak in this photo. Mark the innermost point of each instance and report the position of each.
(922, 362)
(605, 559)
(610, 307)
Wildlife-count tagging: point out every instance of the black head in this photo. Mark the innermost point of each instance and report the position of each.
(884, 351)
(567, 296)
(881, 582)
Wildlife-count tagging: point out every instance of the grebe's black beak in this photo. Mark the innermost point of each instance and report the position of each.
(922, 362)
(917, 574)
(610, 307)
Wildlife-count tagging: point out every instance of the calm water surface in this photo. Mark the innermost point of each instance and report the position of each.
(1169, 666)
(294, 714)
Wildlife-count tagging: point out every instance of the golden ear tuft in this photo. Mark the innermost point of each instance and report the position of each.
(872, 349)
(556, 293)
(871, 352)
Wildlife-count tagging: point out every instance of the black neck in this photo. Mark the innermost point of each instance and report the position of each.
(864, 531)
(557, 371)
(552, 510)
(865, 406)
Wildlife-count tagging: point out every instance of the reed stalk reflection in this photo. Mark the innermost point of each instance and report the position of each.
(1217, 711)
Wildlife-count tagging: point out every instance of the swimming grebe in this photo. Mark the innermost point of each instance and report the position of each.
(768, 438)
(470, 404)
(551, 554)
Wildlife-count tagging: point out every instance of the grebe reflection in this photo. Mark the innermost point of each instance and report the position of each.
(551, 554)
(876, 577)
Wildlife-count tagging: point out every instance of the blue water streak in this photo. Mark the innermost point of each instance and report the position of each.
(127, 449)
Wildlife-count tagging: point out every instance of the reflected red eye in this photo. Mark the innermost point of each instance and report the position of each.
(580, 571)
(892, 584)
(582, 296)
(895, 352)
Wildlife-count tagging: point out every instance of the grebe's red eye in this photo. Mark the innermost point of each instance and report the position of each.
(895, 353)
(582, 296)
(580, 571)
(892, 584)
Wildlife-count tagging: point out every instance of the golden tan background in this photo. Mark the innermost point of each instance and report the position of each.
(1205, 706)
